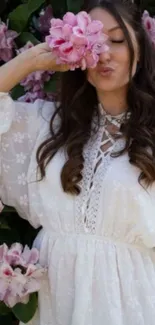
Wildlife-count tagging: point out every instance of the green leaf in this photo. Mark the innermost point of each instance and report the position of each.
(25, 37)
(51, 85)
(17, 92)
(74, 5)
(4, 310)
(18, 18)
(25, 312)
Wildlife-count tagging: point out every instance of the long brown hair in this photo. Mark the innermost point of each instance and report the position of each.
(78, 103)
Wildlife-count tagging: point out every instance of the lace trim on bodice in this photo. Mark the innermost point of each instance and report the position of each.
(97, 156)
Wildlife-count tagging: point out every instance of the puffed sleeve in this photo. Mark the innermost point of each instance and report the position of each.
(20, 127)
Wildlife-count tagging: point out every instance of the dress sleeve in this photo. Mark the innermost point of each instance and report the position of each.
(20, 127)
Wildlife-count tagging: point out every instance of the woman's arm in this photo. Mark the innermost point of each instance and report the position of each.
(14, 71)
(36, 58)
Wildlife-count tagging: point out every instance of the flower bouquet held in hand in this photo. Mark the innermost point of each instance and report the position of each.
(20, 279)
(77, 40)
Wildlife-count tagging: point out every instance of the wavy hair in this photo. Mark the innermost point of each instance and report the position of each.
(78, 103)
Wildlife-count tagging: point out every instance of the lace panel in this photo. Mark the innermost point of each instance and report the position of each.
(97, 155)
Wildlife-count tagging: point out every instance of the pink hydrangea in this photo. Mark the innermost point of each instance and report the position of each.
(77, 40)
(20, 273)
(30, 97)
(6, 42)
(149, 25)
(34, 83)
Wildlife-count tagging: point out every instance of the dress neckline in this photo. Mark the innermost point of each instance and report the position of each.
(114, 119)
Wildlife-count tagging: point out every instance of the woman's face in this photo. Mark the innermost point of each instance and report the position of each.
(112, 70)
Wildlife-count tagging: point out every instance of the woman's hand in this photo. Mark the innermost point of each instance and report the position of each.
(43, 59)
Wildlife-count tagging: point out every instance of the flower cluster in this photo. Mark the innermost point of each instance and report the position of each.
(6, 42)
(149, 25)
(34, 83)
(20, 275)
(77, 40)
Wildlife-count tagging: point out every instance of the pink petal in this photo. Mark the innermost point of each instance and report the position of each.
(54, 43)
(56, 32)
(66, 48)
(91, 60)
(78, 37)
(67, 31)
(83, 64)
(3, 251)
(31, 268)
(6, 54)
(30, 256)
(70, 18)
(25, 299)
(3, 288)
(11, 300)
(35, 271)
(16, 249)
(13, 256)
(56, 22)
(83, 20)
(11, 34)
(94, 27)
(6, 270)
(32, 285)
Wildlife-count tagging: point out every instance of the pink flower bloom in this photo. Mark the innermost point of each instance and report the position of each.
(31, 97)
(70, 18)
(29, 256)
(34, 82)
(20, 273)
(74, 38)
(12, 257)
(6, 42)
(149, 25)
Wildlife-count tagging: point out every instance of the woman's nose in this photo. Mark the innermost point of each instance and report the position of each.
(105, 56)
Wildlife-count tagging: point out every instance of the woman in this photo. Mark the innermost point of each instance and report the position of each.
(94, 161)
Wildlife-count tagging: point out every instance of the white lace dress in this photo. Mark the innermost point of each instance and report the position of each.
(99, 246)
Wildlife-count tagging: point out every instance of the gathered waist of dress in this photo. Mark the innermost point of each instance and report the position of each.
(91, 239)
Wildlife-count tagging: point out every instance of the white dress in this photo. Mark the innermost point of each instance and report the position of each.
(99, 246)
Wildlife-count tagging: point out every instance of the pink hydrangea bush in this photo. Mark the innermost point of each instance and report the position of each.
(34, 83)
(20, 273)
(77, 40)
(149, 25)
(6, 42)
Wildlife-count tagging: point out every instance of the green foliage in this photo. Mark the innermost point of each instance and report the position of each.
(25, 312)
(20, 16)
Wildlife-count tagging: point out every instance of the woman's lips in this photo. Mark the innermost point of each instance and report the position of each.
(105, 71)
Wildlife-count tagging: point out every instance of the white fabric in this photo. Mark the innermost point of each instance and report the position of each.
(98, 246)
